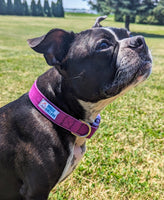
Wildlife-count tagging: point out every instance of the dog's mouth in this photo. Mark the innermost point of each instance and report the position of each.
(128, 78)
(143, 72)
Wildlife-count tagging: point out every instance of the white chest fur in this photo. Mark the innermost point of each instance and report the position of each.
(77, 151)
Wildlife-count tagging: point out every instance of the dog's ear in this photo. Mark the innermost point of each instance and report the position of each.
(54, 45)
(98, 20)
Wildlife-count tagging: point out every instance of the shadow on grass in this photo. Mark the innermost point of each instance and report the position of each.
(149, 35)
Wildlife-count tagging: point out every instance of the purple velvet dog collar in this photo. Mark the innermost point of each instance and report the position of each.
(57, 116)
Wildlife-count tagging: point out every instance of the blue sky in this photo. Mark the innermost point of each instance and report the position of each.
(69, 3)
(75, 4)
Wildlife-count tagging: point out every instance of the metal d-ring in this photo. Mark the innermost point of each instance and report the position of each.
(89, 130)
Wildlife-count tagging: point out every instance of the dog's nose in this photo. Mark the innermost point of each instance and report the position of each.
(138, 42)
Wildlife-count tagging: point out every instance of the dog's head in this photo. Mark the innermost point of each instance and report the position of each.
(98, 63)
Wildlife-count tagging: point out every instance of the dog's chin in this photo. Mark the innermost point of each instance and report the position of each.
(143, 72)
(130, 80)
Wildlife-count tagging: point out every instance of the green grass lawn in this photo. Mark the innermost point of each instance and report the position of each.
(125, 158)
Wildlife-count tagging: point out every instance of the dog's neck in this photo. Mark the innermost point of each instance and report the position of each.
(57, 90)
(93, 109)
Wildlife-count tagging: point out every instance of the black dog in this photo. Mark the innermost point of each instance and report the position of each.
(92, 68)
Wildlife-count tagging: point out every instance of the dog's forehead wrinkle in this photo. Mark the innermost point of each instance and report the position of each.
(111, 32)
(95, 34)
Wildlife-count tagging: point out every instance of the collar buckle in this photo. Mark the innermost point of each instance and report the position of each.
(87, 134)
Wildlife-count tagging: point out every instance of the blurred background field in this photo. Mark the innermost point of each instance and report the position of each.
(125, 158)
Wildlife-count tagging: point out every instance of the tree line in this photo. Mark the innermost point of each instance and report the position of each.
(19, 7)
(140, 11)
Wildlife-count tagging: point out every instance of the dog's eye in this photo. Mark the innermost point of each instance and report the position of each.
(103, 45)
